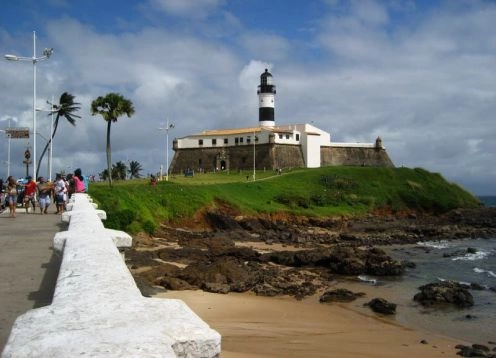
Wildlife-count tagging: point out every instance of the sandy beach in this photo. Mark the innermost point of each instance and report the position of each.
(253, 326)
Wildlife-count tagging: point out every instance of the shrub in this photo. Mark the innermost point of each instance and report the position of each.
(149, 227)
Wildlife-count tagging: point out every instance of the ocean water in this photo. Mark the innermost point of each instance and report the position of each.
(488, 201)
(476, 324)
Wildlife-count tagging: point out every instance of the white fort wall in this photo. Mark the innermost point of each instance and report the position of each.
(97, 309)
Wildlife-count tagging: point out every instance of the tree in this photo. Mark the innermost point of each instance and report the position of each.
(119, 171)
(65, 109)
(104, 174)
(134, 169)
(111, 107)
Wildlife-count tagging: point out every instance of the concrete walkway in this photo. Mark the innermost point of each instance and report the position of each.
(28, 265)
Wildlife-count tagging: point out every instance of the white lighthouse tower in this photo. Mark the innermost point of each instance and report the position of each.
(266, 93)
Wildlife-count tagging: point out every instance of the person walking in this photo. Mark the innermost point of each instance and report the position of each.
(30, 194)
(45, 191)
(60, 189)
(12, 195)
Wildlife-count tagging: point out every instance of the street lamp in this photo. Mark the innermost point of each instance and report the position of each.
(168, 127)
(47, 52)
(254, 152)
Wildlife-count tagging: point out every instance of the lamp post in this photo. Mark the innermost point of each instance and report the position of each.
(254, 165)
(168, 127)
(47, 52)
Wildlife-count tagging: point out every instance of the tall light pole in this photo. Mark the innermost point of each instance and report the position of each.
(254, 165)
(47, 52)
(168, 127)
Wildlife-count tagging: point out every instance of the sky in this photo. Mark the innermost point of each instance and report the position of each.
(419, 74)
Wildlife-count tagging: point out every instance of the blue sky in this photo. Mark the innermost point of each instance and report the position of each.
(420, 74)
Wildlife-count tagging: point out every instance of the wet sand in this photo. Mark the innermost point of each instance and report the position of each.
(260, 327)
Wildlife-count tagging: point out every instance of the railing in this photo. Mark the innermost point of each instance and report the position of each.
(97, 309)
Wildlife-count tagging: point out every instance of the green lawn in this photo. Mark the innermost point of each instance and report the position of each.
(135, 205)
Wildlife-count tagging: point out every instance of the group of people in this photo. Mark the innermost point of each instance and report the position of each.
(43, 192)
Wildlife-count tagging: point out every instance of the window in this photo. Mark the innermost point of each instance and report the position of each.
(256, 139)
(241, 139)
(200, 141)
(297, 137)
(236, 140)
(287, 136)
(280, 136)
(226, 141)
(248, 140)
(214, 141)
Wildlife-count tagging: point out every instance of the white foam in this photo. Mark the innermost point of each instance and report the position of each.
(442, 244)
(479, 255)
(364, 278)
(489, 273)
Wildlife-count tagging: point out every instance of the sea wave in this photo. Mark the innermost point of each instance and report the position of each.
(489, 273)
(367, 279)
(479, 255)
(442, 244)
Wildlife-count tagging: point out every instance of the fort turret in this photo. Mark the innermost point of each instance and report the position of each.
(266, 94)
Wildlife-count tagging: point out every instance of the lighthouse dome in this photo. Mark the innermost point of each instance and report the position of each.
(266, 78)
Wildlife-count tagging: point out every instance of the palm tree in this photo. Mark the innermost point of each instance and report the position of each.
(111, 107)
(65, 109)
(119, 171)
(134, 169)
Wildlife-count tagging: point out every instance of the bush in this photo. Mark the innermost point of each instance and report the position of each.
(149, 227)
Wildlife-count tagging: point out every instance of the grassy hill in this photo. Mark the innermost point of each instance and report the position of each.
(135, 205)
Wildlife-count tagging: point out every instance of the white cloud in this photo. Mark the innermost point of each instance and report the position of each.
(188, 8)
(425, 86)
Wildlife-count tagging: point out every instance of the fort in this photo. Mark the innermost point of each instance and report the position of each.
(271, 147)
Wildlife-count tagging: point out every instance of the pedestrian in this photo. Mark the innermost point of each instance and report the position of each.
(3, 196)
(12, 195)
(60, 189)
(30, 194)
(79, 186)
(45, 191)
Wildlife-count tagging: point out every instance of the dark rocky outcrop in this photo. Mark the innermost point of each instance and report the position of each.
(475, 350)
(446, 292)
(343, 260)
(380, 305)
(340, 295)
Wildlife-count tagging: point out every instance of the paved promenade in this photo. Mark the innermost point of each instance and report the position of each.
(28, 265)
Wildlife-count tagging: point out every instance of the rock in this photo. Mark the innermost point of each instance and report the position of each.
(266, 289)
(408, 264)
(446, 292)
(176, 284)
(380, 305)
(476, 350)
(423, 341)
(224, 270)
(216, 287)
(477, 287)
(340, 295)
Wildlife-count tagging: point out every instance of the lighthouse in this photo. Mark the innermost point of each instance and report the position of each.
(266, 93)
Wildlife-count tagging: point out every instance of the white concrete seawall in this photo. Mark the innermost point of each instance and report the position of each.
(97, 309)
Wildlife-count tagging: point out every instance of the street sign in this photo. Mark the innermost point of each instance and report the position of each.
(17, 133)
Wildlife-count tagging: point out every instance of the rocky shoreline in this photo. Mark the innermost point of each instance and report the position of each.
(297, 256)
(224, 257)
